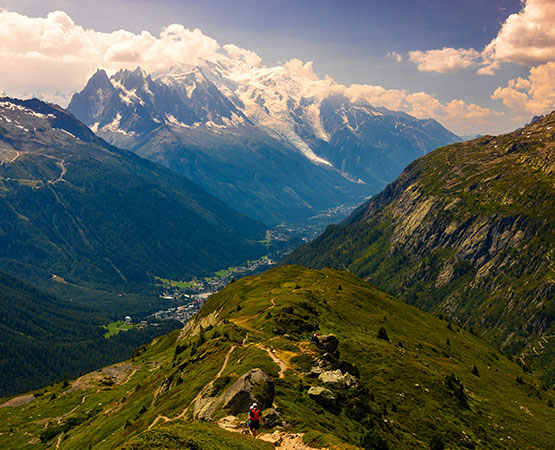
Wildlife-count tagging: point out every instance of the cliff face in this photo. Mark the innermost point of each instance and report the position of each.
(468, 231)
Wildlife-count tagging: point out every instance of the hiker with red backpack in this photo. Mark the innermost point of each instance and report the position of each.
(254, 419)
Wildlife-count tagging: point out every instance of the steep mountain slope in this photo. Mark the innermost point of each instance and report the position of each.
(379, 372)
(74, 206)
(276, 145)
(43, 337)
(467, 230)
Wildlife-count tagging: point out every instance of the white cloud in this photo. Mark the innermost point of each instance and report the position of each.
(377, 95)
(296, 67)
(247, 56)
(445, 60)
(535, 95)
(526, 38)
(54, 53)
(395, 56)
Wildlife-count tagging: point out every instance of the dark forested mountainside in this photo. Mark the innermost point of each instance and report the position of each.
(43, 337)
(469, 231)
(73, 206)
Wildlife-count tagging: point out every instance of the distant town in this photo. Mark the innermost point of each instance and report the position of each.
(184, 298)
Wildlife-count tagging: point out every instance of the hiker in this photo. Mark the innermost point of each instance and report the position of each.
(254, 419)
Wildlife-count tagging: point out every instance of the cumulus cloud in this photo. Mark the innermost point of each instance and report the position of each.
(535, 95)
(246, 56)
(53, 51)
(527, 38)
(296, 67)
(377, 95)
(445, 60)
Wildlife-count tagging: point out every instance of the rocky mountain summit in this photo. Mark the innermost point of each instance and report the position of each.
(467, 231)
(266, 140)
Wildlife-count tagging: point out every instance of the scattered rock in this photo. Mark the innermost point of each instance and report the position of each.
(322, 395)
(271, 418)
(465, 440)
(338, 378)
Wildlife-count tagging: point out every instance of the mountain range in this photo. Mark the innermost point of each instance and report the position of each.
(332, 361)
(467, 231)
(78, 210)
(266, 141)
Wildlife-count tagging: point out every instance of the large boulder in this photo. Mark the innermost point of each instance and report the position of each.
(328, 362)
(322, 395)
(254, 386)
(329, 344)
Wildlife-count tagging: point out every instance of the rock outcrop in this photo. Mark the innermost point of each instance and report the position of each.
(322, 395)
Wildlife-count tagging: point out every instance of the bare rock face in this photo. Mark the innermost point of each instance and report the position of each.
(322, 395)
(253, 387)
(335, 377)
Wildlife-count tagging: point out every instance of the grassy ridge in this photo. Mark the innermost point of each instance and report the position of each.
(409, 386)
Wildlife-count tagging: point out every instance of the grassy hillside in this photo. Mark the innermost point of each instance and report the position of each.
(414, 378)
(467, 231)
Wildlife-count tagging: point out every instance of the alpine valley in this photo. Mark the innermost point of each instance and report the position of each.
(467, 231)
(274, 143)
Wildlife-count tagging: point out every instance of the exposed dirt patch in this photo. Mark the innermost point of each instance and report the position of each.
(18, 401)
(108, 376)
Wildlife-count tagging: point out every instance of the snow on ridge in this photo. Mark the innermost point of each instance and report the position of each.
(129, 97)
(114, 127)
(66, 132)
(172, 120)
(14, 107)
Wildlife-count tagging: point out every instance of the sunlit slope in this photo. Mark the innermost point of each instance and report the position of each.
(417, 378)
(469, 231)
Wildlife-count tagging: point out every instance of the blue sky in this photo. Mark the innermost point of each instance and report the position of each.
(362, 42)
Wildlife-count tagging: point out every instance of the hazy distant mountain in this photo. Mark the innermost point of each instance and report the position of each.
(74, 206)
(469, 231)
(262, 140)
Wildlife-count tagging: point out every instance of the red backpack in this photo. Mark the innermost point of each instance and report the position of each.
(254, 414)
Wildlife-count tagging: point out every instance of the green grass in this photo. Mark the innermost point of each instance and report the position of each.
(180, 284)
(115, 327)
(402, 395)
(194, 436)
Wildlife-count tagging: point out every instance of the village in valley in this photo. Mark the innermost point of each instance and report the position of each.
(180, 300)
